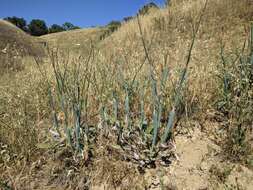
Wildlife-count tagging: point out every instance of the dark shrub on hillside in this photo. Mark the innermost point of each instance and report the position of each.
(56, 28)
(113, 25)
(146, 8)
(69, 26)
(19, 22)
(126, 19)
(167, 2)
(38, 27)
(110, 28)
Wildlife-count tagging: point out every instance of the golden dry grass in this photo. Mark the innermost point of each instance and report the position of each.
(117, 58)
(168, 33)
(15, 44)
(14, 39)
(75, 40)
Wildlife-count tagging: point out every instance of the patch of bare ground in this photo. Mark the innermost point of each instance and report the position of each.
(200, 165)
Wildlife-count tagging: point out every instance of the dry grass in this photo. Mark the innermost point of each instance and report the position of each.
(169, 32)
(15, 44)
(75, 41)
(116, 61)
(23, 105)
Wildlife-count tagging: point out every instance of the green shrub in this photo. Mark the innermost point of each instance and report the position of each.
(19, 22)
(126, 19)
(56, 28)
(146, 8)
(38, 27)
(236, 99)
(114, 25)
(110, 28)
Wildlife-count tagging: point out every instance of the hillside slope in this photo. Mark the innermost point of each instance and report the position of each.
(13, 38)
(211, 144)
(168, 34)
(16, 43)
(79, 39)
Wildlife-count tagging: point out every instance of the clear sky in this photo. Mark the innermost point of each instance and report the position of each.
(83, 13)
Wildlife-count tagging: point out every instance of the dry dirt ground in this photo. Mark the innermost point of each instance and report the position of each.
(198, 157)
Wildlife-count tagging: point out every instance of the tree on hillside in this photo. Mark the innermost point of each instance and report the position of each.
(56, 28)
(37, 27)
(113, 25)
(126, 19)
(19, 22)
(110, 28)
(146, 8)
(167, 2)
(69, 26)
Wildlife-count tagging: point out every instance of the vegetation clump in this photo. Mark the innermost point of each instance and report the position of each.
(147, 8)
(110, 28)
(236, 103)
(38, 27)
(138, 102)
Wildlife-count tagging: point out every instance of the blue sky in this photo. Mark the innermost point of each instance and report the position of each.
(83, 13)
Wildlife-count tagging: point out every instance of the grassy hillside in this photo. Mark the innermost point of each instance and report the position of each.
(169, 33)
(164, 102)
(73, 40)
(15, 43)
